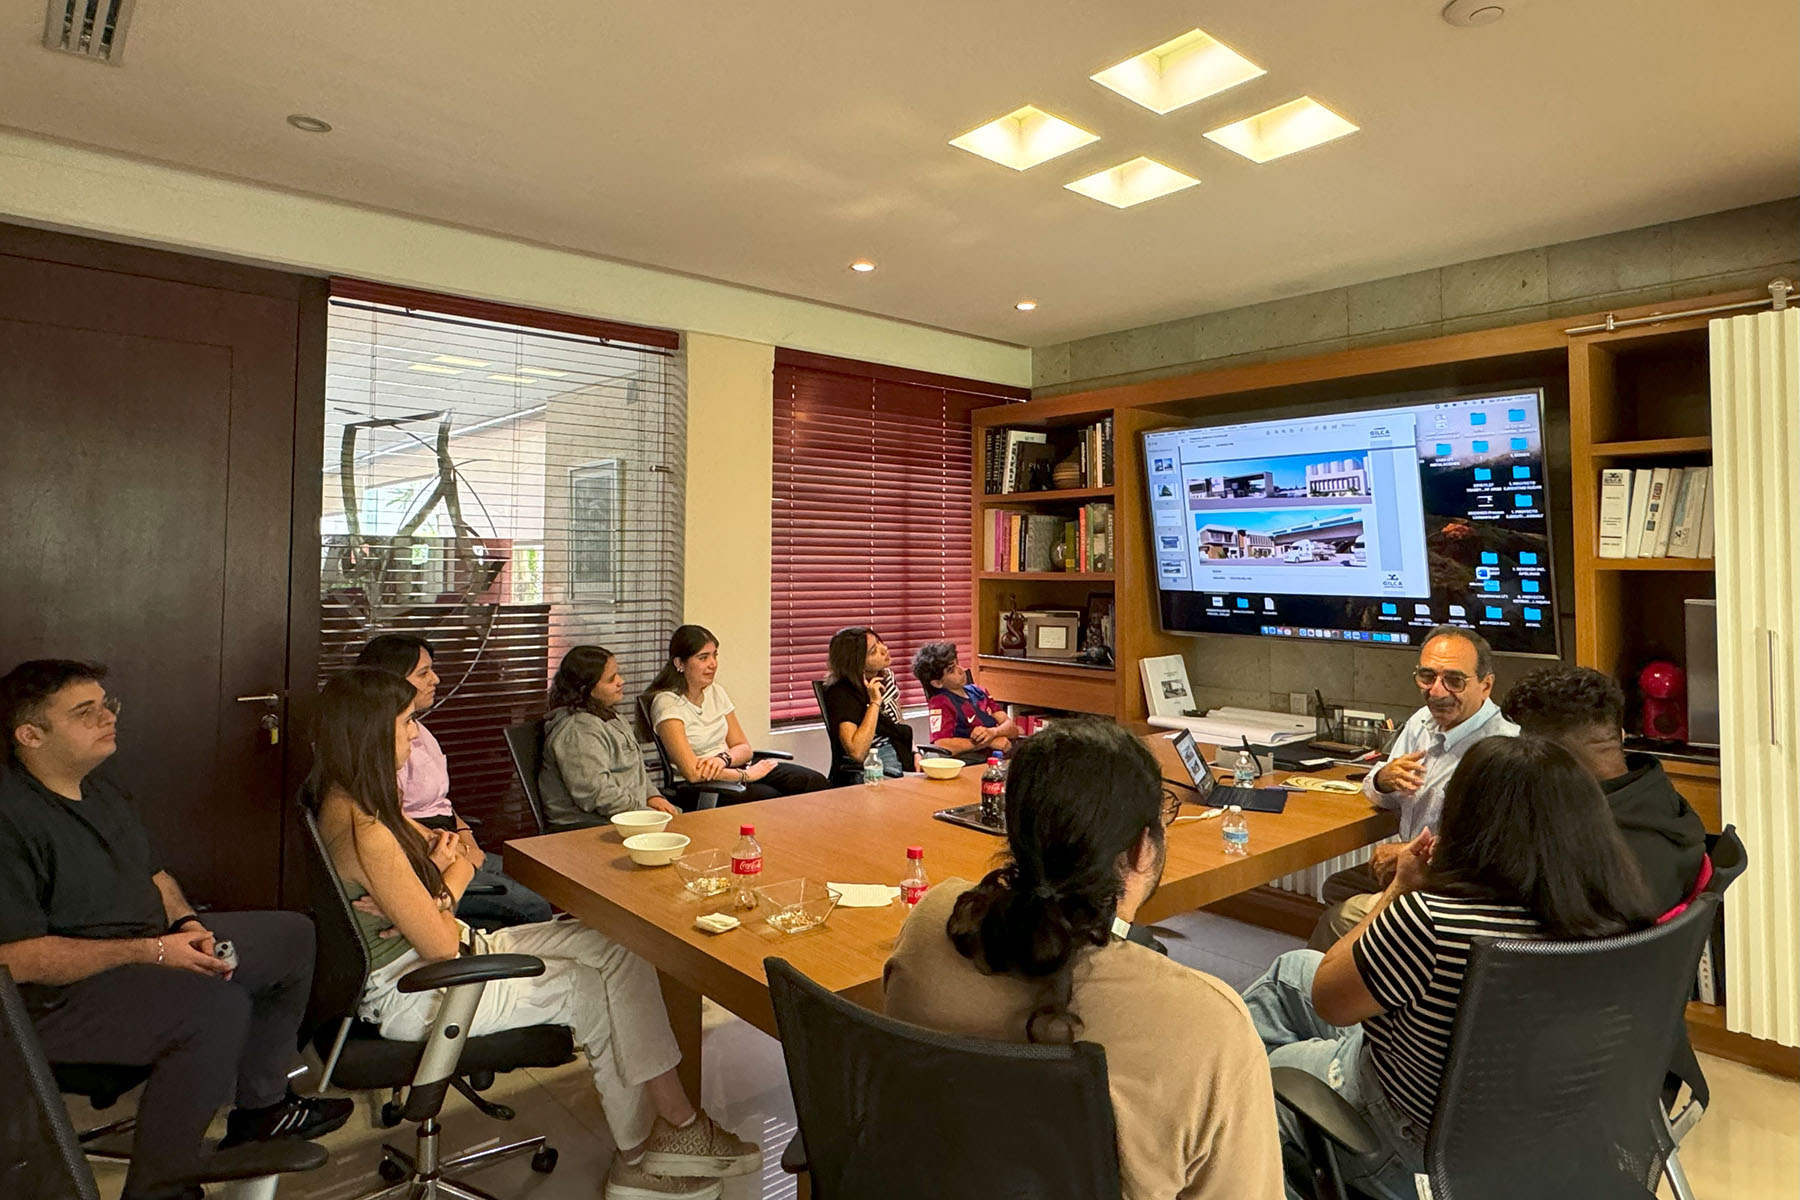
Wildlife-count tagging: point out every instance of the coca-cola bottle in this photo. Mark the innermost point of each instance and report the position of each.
(993, 789)
(746, 866)
(913, 885)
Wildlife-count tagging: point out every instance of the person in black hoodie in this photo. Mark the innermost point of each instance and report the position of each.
(1585, 711)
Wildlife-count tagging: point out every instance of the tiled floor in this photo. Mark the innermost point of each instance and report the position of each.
(1746, 1148)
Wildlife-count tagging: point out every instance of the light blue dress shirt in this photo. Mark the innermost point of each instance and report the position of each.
(1444, 749)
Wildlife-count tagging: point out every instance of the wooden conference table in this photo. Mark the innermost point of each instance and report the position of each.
(859, 835)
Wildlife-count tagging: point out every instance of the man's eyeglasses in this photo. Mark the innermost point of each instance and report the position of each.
(1171, 807)
(92, 715)
(1453, 681)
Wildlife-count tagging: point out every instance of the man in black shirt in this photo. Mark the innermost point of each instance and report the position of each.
(114, 963)
(1584, 709)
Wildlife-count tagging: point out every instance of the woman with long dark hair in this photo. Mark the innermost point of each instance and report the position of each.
(425, 787)
(407, 879)
(593, 766)
(698, 727)
(1040, 951)
(1528, 848)
(862, 707)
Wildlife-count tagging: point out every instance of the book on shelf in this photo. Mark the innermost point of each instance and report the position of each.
(1706, 521)
(1615, 507)
(1690, 510)
(1666, 524)
(1653, 512)
(1042, 532)
(1015, 438)
(1640, 502)
(993, 461)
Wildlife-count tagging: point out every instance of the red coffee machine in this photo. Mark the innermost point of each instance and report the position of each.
(1664, 686)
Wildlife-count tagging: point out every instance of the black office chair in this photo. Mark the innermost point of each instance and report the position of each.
(39, 1152)
(686, 795)
(889, 1109)
(420, 1074)
(525, 742)
(1729, 860)
(1551, 1088)
(844, 769)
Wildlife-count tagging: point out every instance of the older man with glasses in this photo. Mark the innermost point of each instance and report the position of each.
(1456, 674)
(116, 966)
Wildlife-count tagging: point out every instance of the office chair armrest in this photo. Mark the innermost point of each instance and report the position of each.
(474, 968)
(778, 755)
(793, 1159)
(484, 889)
(255, 1160)
(1312, 1100)
(471, 822)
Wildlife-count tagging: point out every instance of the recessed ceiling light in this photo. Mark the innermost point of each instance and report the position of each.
(457, 360)
(1026, 305)
(862, 266)
(546, 372)
(1178, 72)
(1297, 125)
(1023, 138)
(433, 369)
(1471, 14)
(306, 124)
(511, 378)
(1132, 182)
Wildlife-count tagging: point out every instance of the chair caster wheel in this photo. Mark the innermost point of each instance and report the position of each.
(544, 1161)
(390, 1171)
(389, 1116)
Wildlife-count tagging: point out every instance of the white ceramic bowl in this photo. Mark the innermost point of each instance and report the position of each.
(655, 849)
(640, 820)
(941, 768)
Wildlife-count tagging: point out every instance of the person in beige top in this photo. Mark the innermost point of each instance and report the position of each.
(1036, 952)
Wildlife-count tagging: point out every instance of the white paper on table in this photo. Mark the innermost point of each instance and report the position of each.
(864, 895)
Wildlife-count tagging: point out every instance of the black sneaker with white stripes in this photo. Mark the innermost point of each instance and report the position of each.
(294, 1117)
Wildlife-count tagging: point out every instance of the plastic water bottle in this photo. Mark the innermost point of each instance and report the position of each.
(912, 887)
(1234, 827)
(873, 771)
(1245, 773)
(993, 788)
(746, 866)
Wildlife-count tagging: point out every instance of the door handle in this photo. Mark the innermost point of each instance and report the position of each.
(270, 698)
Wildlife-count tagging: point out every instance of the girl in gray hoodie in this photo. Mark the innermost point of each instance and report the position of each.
(593, 766)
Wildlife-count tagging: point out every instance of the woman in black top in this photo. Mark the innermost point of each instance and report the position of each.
(860, 713)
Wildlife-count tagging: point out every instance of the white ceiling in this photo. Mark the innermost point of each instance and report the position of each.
(770, 142)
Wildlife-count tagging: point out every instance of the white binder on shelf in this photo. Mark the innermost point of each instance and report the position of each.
(1166, 690)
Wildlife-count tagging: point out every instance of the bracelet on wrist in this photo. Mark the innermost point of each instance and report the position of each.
(161, 951)
(176, 925)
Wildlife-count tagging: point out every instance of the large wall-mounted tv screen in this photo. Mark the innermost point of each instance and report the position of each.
(1367, 527)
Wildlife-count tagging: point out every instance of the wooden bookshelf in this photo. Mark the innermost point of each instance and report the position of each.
(1651, 564)
(1047, 576)
(1053, 496)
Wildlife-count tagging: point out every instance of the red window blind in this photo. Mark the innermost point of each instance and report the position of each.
(872, 495)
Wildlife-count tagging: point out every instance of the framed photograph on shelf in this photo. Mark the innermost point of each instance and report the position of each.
(597, 531)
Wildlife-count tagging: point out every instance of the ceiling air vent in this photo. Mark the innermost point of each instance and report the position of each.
(89, 28)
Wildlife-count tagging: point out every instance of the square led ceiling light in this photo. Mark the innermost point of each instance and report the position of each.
(1024, 138)
(1178, 72)
(1132, 183)
(1297, 125)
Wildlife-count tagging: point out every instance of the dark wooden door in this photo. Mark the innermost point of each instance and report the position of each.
(148, 408)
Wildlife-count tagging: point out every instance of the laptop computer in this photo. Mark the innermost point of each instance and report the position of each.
(969, 816)
(1263, 800)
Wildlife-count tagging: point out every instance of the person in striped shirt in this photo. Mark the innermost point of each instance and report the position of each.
(1527, 848)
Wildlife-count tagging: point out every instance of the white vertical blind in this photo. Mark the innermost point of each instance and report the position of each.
(564, 524)
(1756, 464)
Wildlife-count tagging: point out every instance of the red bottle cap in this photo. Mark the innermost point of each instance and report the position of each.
(747, 830)
(915, 852)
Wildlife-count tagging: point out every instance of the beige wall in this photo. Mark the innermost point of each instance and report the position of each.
(729, 487)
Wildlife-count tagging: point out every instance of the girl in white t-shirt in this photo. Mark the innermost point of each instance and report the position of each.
(694, 719)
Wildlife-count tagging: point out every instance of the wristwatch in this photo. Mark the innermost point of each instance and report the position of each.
(175, 926)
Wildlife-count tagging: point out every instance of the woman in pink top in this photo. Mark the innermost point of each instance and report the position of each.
(425, 791)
